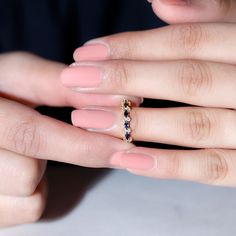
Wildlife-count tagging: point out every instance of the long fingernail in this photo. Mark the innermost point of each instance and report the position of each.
(176, 2)
(94, 119)
(82, 76)
(93, 51)
(133, 161)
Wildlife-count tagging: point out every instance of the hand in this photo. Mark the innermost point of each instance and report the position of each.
(189, 63)
(28, 138)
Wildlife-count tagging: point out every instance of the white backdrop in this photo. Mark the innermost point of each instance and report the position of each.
(115, 203)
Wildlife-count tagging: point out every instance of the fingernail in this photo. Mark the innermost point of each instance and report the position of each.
(134, 161)
(150, 1)
(92, 52)
(94, 119)
(176, 2)
(82, 76)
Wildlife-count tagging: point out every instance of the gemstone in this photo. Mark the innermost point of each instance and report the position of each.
(127, 119)
(127, 136)
(127, 109)
(126, 103)
(126, 124)
(126, 113)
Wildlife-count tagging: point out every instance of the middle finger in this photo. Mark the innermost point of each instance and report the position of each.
(183, 126)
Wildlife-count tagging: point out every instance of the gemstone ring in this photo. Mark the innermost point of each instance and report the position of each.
(126, 109)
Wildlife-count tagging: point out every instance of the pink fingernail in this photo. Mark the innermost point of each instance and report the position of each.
(82, 76)
(92, 52)
(176, 2)
(94, 119)
(134, 161)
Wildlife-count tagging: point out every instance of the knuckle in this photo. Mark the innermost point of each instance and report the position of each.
(172, 167)
(195, 78)
(36, 206)
(215, 167)
(31, 175)
(25, 137)
(122, 45)
(188, 37)
(118, 76)
(199, 125)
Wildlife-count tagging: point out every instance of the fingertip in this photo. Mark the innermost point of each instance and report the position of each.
(172, 13)
(74, 117)
(190, 11)
(92, 51)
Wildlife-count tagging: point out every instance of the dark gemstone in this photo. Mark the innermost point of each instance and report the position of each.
(126, 124)
(127, 136)
(126, 113)
(126, 104)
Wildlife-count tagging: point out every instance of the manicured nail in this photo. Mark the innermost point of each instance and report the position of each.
(176, 2)
(92, 52)
(134, 161)
(82, 76)
(94, 119)
(150, 1)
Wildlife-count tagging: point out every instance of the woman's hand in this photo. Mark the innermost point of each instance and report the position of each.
(28, 138)
(189, 63)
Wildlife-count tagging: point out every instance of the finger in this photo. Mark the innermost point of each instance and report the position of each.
(22, 210)
(185, 126)
(209, 166)
(28, 133)
(19, 175)
(174, 42)
(194, 82)
(36, 81)
(78, 100)
(181, 11)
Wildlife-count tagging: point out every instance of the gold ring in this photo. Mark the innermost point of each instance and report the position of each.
(126, 109)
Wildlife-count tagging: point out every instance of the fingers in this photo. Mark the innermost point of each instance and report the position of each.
(22, 210)
(19, 175)
(209, 166)
(35, 81)
(28, 133)
(192, 127)
(181, 11)
(194, 82)
(175, 42)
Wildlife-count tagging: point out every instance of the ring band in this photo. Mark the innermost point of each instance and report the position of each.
(126, 109)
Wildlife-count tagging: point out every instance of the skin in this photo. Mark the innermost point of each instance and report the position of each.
(191, 61)
(29, 139)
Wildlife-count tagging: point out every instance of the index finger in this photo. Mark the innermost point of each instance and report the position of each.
(209, 42)
(28, 133)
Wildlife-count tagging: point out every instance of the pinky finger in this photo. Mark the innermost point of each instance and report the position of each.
(208, 166)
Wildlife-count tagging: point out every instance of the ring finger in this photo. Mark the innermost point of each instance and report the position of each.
(185, 126)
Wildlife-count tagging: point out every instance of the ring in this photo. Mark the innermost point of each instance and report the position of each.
(126, 109)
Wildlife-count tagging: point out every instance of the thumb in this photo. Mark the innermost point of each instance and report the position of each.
(185, 11)
(35, 81)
